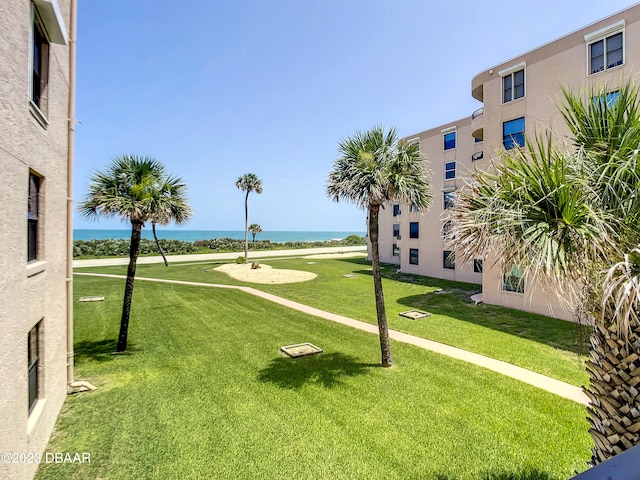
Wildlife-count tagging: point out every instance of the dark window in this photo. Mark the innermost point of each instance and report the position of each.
(396, 250)
(513, 133)
(33, 216)
(413, 256)
(414, 208)
(449, 198)
(33, 360)
(449, 170)
(477, 266)
(606, 53)
(396, 229)
(414, 230)
(396, 210)
(449, 140)
(513, 281)
(477, 139)
(447, 260)
(606, 101)
(477, 156)
(513, 86)
(39, 66)
(446, 228)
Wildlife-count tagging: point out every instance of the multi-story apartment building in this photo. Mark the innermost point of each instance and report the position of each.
(35, 94)
(518, 96)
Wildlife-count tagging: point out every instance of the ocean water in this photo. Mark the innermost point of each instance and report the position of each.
(193, 235)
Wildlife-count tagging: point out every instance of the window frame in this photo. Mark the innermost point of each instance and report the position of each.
(448, 198)
(33, 365)
(478, 265)
(449, 172)
(513, 280)
(396, 209)
(513, 85)
(414, 256)
(34, 214)
(414, 229)
(396, 231)
(606, 52)
(513, 138)
(395, 250)
(39, 67)
(447, 263)
(451, 143)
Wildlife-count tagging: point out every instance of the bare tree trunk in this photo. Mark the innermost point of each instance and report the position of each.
(134, 250)
(246, 227)
(155, 237)
(385, 344)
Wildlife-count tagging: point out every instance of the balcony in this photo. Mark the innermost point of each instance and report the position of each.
(477, 156)
(477, 124)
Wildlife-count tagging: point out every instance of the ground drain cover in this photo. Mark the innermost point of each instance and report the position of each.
(311, 263)
(415, 314)
(301, 350)
(350, 275)
(93, 298)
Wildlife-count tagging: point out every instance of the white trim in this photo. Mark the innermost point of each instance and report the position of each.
(448, 189)
(512, 69)
(52, 20)
(449, 129)
(603, 32)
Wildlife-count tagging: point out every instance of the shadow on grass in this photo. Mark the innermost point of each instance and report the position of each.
(529, 474)
(100, 351)
(327, 370)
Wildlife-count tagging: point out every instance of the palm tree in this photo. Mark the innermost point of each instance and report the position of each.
(254, 228)
(130, 189)
(570, 215)
(249, 182)
(374, 168)
(169, 205)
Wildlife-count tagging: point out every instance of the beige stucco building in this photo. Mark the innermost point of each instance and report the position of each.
(35, 105)
(517, 96)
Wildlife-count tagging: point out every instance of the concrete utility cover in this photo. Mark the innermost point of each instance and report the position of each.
(415, 314)
(311, 263)
(93, 298)
(301, 350)
(350, 275)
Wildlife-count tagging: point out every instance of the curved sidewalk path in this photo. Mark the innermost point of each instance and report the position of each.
(538, 380)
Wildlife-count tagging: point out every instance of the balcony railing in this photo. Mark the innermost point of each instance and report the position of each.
(477, 113)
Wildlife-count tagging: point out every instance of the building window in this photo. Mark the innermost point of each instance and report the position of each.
(449, 140)
(33, 217)
(396, 210)
(414, 208)
(449, 198)
(607, 52)
(449, 170)
(446, 228)
(513, 281)
(396, 250)
(513, 86)
(413, 256)
(33, 362)
(607, 101)
(39, 65)
(447, 260)
(396, 229)
(513, 133)
(414, 230)
(477, 156)
(477, 266)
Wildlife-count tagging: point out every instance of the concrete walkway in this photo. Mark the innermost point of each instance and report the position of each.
(207, 257)
(543, 382)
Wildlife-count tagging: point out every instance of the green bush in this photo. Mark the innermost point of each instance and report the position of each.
(240, 260)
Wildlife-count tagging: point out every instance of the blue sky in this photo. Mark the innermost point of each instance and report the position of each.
(216, 89)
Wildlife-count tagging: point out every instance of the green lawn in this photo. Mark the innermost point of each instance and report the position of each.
(205, 393)
(542, 344)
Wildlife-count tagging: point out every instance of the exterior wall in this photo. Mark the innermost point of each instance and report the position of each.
(33, 291)
(562, 62)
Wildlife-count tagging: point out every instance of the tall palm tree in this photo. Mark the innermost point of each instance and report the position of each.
(570, 215)
(129, 189)
(169, 205)
(374, 168)
(248, 183)
(255, 229)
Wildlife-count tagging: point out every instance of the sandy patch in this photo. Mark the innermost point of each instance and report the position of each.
(337, 255)
(264, 274)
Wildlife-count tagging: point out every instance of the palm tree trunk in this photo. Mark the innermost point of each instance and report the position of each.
(383, 328)
(614, 413)
(155, 237)
(134, 250)
(246, 227)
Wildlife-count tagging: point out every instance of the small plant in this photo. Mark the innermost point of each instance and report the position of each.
(240, 260)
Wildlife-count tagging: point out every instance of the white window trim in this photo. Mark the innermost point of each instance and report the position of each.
(446, 131)
(602, 34)
(510, 71)
(454, 171)
(52, 21)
